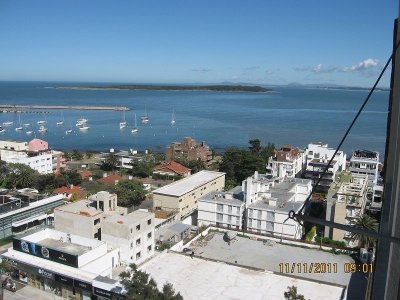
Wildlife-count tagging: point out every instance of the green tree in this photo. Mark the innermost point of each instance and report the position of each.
(291, 294)
(89, 155)
(76, 155)
(365, 222)
(129, 193)
(194, 165)
(142, 168)
(139, 285)
(4, 170)
(20, 176)
(111, 162)
(71, 177)
(67, 156)
(255, 146)
(267, 152)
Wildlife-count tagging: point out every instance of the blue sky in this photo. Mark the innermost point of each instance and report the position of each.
(264, 42)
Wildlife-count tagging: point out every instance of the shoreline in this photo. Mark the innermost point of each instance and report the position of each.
(67, 107)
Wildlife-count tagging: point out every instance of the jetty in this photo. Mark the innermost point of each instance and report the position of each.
(8, 107)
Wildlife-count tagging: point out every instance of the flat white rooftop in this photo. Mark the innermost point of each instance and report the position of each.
(188, 184)
(202, 279)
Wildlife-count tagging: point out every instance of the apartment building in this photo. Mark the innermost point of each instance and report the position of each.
(287, 162)
(182, 195)
(318, 156)
(189, 150)
(221, 209)
(268, 201)
(346, 201)
(132, 233)
(367, 162)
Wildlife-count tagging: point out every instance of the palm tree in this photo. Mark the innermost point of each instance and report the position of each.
(367, 223)
(112, 161)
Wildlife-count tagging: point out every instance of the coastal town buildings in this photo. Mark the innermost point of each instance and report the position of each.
(35, 154)
(21, 210)
(189, 150)
(287, 162)
(172, 169)
(318, 157)
(125, 158)
(346, 201)
(173, 233)
(66, 265)
(181, 196)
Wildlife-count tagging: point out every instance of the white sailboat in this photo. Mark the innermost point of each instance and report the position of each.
(68, 131)
(61, 122)
(122, 124)
(173, 119)
(82, 120)
(20, 127)
(83, 128)
(145, 118)
(29, 132)
(135, 129)
(26, 125)
(41, 122)
(2, 130)
(8, 123)
(42, 129)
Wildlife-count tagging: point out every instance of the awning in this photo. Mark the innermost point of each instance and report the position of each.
(28, 220)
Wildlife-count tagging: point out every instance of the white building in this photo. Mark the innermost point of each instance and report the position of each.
(318, 157)
(287, 162)
(133, 234)
(220, 209)
(60, 263)
(367, 162)
(269, 200)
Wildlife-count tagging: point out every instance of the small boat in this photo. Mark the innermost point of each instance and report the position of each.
(83, 128)
(29, 132)
(42, 129)
(41, 122)
(135, 129)
(8, 123)
(122, 124)
(68, 131)
(2, 130)
(19, 128)
(61, 122)
(82, 120)
(173, 119)
(145, 118)
(26, 125)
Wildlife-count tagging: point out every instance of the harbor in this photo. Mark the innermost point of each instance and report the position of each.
(18, 108)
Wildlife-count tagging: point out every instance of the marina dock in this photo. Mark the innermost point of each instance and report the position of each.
(9, 108)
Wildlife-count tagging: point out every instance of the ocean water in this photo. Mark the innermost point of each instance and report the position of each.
(294, 116)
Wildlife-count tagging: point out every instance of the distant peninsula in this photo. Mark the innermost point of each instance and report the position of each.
(206, 88)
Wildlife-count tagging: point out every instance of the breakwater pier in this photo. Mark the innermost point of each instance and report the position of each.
(15, 108)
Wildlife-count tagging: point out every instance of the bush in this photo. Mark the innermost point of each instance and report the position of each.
(329, 241)
(311, 234)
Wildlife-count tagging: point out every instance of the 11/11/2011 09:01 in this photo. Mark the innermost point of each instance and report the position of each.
(324, 268)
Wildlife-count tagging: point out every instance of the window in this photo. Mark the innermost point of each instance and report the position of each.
(230, 209)
(229, 219)
(97, 221)
(270, 216)
(149, 222)
(220, 207)
(219, 217)
(138, 242)
(258, 224)
(270, 226)
(259, 214)
(138, 255)
(149, 235)
(250, 212)
(131, 245)
(149, 248)
(137, 227)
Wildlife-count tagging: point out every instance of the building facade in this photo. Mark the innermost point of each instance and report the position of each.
(182, 195)
(189, 150)
(287, 162)
(318, 157)
(346, 201)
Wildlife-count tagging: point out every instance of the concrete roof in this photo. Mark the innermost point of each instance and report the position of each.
(179, 227)
(188, 184)
(80, 208)
(66, 247)
(219, 197)
(286, 206)
(196, 278)
(130, 219)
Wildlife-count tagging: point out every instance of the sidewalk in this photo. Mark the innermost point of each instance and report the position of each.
(29, 292)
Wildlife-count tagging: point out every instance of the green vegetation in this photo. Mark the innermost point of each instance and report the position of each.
(212, 88)
(110, 163)
(311, 234)
(76, 155)
(291, 294)
(129, 193)
(139, 285)
(367, 223)
(238, 164)
(6, 240)
(194, 165)
(328, 241)
(142, 169)
(19, 176)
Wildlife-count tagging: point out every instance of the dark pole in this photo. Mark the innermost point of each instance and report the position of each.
(386, 277)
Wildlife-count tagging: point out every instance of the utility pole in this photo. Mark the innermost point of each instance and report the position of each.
(386, 277)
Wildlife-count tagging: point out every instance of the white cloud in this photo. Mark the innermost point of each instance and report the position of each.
(364, 65)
